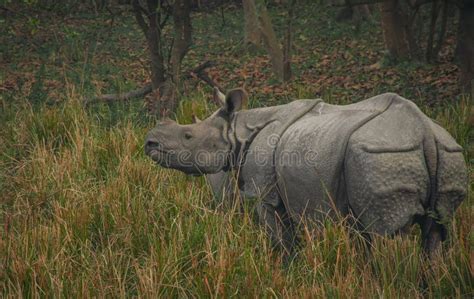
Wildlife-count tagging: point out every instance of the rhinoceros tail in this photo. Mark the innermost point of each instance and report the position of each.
(448, 181)
(433, 232)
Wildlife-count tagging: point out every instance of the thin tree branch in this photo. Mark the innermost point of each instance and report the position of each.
(114, 97)
(203, 66)
(363, 2)
(418, 3)
(170, 51)
(357, 2)
(165, 20)
(444, 22)
(138, 9)
(8, 10)
(200, 73)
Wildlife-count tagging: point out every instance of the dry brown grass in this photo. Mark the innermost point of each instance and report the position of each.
(85, 213)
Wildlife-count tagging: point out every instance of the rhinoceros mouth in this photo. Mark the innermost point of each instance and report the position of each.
(157, 154)
(153, 149)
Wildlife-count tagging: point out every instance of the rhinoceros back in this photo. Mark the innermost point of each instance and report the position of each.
(382, 159)
(310, 157)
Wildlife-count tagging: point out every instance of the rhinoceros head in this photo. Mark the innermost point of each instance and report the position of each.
(199, 148)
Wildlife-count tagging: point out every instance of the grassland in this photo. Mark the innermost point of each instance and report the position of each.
(84, 213)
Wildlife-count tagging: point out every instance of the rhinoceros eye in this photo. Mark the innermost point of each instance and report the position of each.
(188, 136)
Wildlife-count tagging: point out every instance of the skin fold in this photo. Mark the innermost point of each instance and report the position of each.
(381, 160)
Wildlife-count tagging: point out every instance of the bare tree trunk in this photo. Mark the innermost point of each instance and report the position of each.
(164, 98)
(258, 27)
(465, 46)
(151, 16)
(182, 42)
(152, 32)
(252, 31)
(168, 93)
(393, 26)
(414, 29)
(350, 11)
(434, 18)
(287, 74)
(270, 41)
(182, 35)
(442, 32)
(156, 58)
(155, 45)
(346, 12)
(361, 12)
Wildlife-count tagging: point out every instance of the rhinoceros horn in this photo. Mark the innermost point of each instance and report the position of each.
(195, 119)
(219, 97)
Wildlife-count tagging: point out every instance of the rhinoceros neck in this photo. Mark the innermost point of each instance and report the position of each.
(247, 124)
(244, 126)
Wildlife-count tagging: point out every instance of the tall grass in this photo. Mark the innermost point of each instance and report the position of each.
(84, 213)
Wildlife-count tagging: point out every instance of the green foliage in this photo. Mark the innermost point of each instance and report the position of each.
(85, 214)
(38, 94)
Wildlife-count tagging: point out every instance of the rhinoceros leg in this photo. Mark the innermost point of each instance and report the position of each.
(222, 185)
(278, 225)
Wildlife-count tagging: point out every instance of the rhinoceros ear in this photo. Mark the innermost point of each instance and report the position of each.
(235, 100)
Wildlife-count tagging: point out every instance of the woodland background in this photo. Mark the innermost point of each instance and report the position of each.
(85, 213)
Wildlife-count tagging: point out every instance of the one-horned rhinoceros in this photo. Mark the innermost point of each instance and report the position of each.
(381, 160)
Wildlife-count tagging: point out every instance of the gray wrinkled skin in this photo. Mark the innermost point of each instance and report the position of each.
(381, 160)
